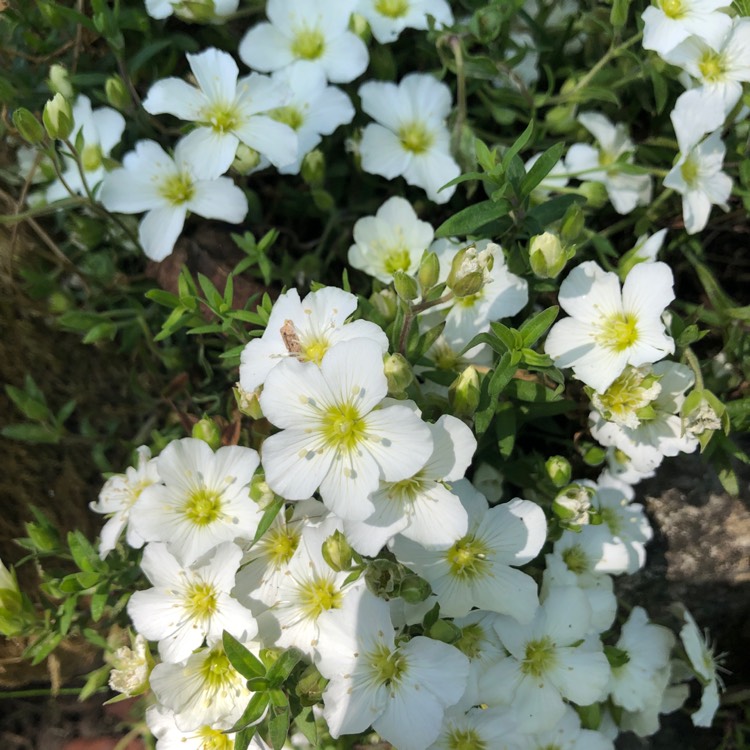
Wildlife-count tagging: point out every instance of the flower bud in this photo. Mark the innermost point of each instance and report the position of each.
(386, 303)
(12, 619)
(561, 119)
(405, 286)
(573, 504)
(131, 667)
(260, 492)
(117, 92)
(313, 169)
(429, 271)
(546, 255)
(58, 117)
(310, 686)
(470, 270)
(383, 578)
(246, 159)
(572, 224)
(337, 552)
(196, 11)
(59, 81)
(248, 402)
(414, 589)
(399, 374)
(702, 414)
(445, 631)
(595, 193)
(487, 23)
(358, 25)
(463, 393)
(558, 470)
(28, 126)
(208, 431)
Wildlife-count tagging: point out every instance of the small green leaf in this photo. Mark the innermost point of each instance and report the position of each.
(241, 659)
(278, 728)
(252, 713)
(520, 143)
(535, 327)
(472, 218)
(541, 168)
(283, 666)
(268, 517)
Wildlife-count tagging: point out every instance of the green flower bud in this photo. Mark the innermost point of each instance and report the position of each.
(429, 271)
(44, 537)
(246, 159)
(470, 270)
(405, 286)
(260, 492)
(58, 117)
(28, 126)
(561, 119)
(414, 589)
(595, 193)
(59, 81)
(558, 470)
(487, 23)
(196, 11)
(208, 431)
(358, 24)
(546, 255)
(445, 631)
(591, 716)
(383, 578)
(337, 552)
(386, 303)
(310, 686)
(248, 402)
(399, 374)
(117, 92)
(313, 168)
(572, 224)
(463, 393)
(573, 504)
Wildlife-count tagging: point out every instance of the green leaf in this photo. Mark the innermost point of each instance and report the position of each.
(105, 331)
(31, 407)
(252, 713)
(243, 739)
(535, 327)
(520, 143)
(278, 728)
(541, 168)
(31, 433)
(98, 603)
(618, 16)
(84, 554)
(550, 211)
(163, 298)
(305, 722)
(67, 612)
(472, 218)
(505, 429)
(41, 649)
(268, 517)
(283, 666)
(241, 659)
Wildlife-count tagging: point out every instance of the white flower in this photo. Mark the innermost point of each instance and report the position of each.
(402, 691)
(131, 667)
(550, 659)
(568, 734)
(478, 729)
(669, 22)
(304, 330)
(333, 435)
(720, 69)
(213, 9)
(167, 189)
(625, 191)
(698, 177)
(392, 240)
(706, 665)
(476, 570)
(188, 605)
(646, 648)
(117, 498)
(227, 111)
(101, 130)
(609, 328)
(313, 110)
(409, 136)
(161, 722)
(617, 545)
(264, 565)
(203, 690)
(645, 423)
(204, 499)
(388, 18)
(422, 507)
(314, 30)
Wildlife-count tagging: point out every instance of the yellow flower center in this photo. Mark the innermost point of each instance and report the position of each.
(619, 332)
(465, 739)
(200, 600)
(711, 66)
(308, 44)
(343, 428)
(576, 560)
(213, 739)
(397, 259)
(319, 595)
(406, 490)
(388, 665)
(392, 8)
(280, 545)
(177, 189)
(468, 557)
(673, 8)
(314, 349)
(415, 137)
(91, 157)
(203, 506)
(221, 117)
(290, 116)
(540, 657)
(217, 672)
(689, 171)
(628, 398)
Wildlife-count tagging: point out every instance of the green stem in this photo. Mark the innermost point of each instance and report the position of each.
(42, 692)
(458, 56)
(50, 208)
(689, 356)
(411, 315)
